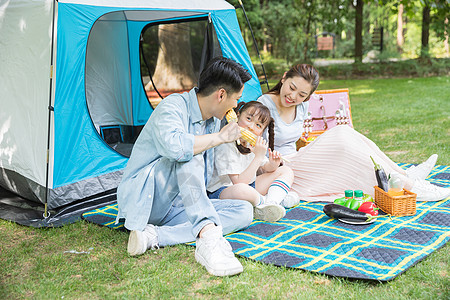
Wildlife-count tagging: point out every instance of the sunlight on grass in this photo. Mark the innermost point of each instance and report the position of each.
(363, 91)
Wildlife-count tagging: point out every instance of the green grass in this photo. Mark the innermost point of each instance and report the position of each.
(407, 118)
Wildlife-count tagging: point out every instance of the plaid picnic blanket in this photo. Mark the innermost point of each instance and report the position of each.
(309, 240)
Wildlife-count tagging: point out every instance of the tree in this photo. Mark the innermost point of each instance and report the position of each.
(426, 20)
(400, 22)
(434, 14)
(446, 39)
(358, 30)
(309, 7)
(286, 28)
(439, 22)
(174, 68)
(253, 9)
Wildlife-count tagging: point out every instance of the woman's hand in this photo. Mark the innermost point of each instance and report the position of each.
(260, 148)
(230, 132)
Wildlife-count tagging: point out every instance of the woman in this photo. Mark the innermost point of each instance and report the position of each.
(339, 159)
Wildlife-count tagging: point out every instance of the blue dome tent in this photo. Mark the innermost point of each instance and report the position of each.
(72, 90)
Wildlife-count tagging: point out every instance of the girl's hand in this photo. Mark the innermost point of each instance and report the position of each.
(274, 158)
(260, 148)
(230, 132)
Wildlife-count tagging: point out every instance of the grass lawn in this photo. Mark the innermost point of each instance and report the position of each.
(408, 118)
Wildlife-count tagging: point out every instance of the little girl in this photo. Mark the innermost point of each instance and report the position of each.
(237, 165)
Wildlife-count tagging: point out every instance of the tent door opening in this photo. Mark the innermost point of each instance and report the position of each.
(131, 64)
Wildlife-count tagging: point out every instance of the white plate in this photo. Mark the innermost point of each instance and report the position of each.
(356, 221)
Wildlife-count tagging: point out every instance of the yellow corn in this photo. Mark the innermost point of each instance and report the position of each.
(231, 116)
(248, 136)
(251, 138)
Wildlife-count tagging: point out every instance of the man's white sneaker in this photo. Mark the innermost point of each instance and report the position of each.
(215, 253)
(140, 241)
(429, 192)
(269, 212)
(422, 170)
(291, 200)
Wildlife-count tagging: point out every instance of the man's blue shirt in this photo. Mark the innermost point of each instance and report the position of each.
(167, 139)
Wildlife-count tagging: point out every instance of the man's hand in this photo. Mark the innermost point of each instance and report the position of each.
(227, 134)
(230, 132)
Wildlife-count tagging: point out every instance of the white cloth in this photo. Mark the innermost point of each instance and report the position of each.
(285, 134)
(337, 160)
(228, 160)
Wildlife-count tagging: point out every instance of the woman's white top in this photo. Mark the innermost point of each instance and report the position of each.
(285, 134)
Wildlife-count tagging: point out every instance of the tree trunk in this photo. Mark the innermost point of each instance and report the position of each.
(358, 31)
(425, 30)
(174, 70)
(308, 28)
(262, 7)
(446, 40)
(400, 37)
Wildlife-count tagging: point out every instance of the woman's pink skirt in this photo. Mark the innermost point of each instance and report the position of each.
(337, 160)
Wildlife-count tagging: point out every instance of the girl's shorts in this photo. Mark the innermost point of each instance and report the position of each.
(216, 194)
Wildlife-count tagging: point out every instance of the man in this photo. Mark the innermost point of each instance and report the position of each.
(162, 195)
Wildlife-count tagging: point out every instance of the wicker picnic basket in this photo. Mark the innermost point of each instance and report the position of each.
(404, 205)
(302, 141)
(326, 109)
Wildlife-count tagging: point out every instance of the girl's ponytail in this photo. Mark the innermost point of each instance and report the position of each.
(238, 108)
(271, 133)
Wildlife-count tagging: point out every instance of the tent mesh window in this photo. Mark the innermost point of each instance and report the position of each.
(129, 71)
(174, 54)
(111, 134)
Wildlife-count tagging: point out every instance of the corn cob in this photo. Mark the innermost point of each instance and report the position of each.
(248, 136)
(231, 116)
(251, 138)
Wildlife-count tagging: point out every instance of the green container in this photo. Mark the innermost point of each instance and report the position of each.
(359, 194)
(348, 194)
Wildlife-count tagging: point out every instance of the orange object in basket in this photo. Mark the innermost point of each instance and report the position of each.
(399, 206)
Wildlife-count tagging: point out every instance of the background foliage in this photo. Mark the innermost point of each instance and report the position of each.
(286, 29)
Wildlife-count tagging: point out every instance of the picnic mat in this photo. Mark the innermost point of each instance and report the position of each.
(307, 239)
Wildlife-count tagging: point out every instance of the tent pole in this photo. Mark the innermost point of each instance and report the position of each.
(50, 110)
(256, 45)
(141, 50)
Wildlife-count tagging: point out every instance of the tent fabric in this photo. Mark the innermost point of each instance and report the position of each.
(233, 46)
(96, 64)
(105, 67)
(29, 213)
(67, 114)
(156, 4)
(24, 84)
